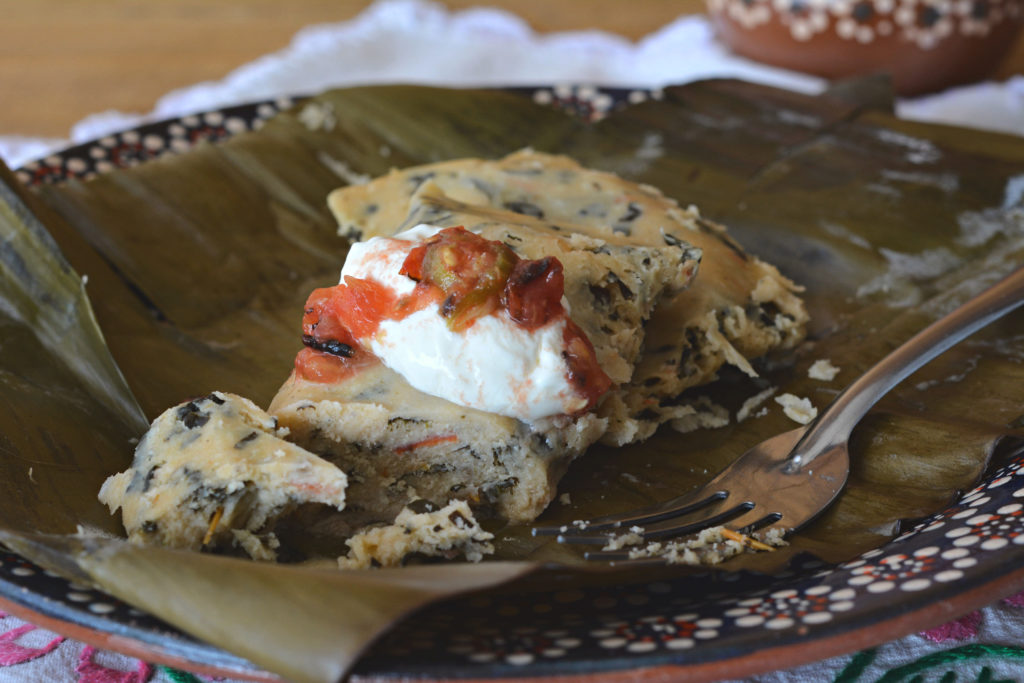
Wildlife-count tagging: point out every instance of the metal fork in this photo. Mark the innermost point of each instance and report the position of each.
(789, 479)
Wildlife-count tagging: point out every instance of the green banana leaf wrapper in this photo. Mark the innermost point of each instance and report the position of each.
(198, 266)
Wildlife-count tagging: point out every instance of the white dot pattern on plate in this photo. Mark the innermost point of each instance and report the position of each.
(923, 24)
(937, 552)
(133, 147)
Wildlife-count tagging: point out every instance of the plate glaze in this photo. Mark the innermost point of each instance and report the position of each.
(707, 626)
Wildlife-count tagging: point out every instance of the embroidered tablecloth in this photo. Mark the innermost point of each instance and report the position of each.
(417, 41)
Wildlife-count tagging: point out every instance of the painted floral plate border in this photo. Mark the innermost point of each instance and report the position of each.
(708, 626)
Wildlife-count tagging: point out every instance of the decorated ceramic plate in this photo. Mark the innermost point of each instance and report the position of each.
(932, 524)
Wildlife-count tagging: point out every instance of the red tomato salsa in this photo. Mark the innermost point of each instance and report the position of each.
(468, 277)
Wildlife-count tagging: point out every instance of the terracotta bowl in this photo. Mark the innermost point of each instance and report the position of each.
(925, 45)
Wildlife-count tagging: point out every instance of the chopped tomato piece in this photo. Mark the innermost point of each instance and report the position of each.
(584, 372)
(533, 293)
(321, 325)
(326, 368)
(470, 271)
(362, 305)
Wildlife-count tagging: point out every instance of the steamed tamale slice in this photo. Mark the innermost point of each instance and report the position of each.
(738, 309)
(217, 472)
(398, 443)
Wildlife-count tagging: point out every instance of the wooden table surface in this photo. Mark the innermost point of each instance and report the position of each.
(61, 60)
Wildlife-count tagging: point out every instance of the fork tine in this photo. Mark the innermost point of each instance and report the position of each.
(764, 522)
(621, 557)
(672, 528)
(762, 527)
(669, 530)
(676, 507)
(752, 520)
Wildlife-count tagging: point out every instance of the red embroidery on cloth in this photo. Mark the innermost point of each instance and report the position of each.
(960, 629)
(1015, 600)
(91, 672)
(12, 653)
(966, 627)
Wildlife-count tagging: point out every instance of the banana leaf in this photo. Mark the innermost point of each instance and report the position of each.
(198, 265)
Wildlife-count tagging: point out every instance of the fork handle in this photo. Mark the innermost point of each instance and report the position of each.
(833, 427)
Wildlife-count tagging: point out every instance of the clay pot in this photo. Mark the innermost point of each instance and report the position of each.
(925, 45)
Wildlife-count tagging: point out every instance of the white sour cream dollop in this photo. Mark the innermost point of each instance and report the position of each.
(494, 365)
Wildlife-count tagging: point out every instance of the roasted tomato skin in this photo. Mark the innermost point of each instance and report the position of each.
(533, 293)
(320, 322)
(585, 372)
(332, 352)
(326, 368)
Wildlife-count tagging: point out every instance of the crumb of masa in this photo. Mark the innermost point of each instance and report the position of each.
(823, 370)
(797, 409)
(753, 403)
(711, 546)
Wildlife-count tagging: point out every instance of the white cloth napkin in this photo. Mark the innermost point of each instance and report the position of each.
(415, 41)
